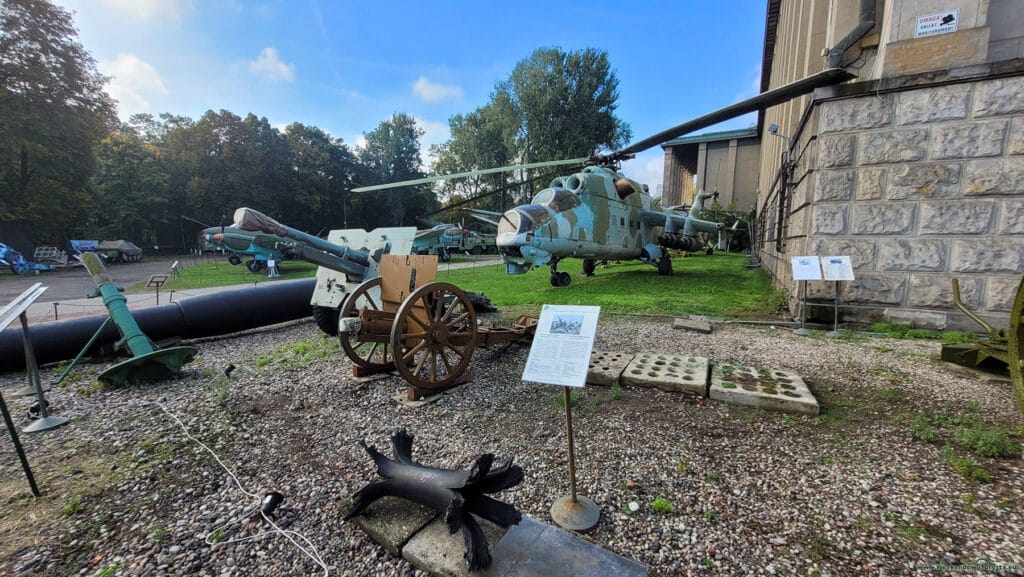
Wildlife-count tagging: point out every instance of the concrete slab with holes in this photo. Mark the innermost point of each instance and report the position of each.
(770, 389)
(668, 372)
(606, 367)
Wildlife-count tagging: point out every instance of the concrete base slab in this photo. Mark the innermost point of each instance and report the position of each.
(769, 389)
(606, 367)
(681, 324)
(668, 372)
(392, 521)
(529, 549)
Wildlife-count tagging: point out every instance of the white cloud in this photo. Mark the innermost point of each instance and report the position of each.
(432, 91)
(131, 79)
(149, 9)
(270, 66)
(648, 168)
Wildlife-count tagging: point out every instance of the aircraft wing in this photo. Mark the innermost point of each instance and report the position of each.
(678, 223)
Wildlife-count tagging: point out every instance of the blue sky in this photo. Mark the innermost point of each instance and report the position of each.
(346, 66)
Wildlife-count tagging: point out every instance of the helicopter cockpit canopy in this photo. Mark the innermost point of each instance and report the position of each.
(531, 217)
(558, 199)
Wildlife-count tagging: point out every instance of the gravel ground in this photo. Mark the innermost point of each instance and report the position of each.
(847, 493)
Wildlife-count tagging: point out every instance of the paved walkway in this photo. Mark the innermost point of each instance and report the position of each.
(51, 310)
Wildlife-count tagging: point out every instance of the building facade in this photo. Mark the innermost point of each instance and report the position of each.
(723, 162)
(915, 169)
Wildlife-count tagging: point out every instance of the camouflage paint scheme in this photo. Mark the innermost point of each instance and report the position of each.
(583, 216)
(242, 242)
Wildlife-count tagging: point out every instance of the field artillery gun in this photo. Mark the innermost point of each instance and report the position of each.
(396, 307)
(1003, 345)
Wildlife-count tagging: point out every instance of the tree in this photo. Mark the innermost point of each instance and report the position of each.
(392, 153)
(323, 169)
(131, 185)
(555, 105)
(53, 111)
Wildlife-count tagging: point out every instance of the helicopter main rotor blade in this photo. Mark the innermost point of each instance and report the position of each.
(470, 173)
(763, 100)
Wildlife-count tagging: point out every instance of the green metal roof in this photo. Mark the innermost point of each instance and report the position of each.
(709, 136)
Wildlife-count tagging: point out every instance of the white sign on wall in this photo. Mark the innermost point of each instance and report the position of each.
(941, 23)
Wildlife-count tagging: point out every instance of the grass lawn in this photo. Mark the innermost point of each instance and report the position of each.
(715, 285)
(223, 273)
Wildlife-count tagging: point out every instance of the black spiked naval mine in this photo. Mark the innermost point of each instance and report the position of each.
(457, 493)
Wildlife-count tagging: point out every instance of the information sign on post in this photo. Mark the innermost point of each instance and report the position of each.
(805, 268)
(836, 268)
(560, 355)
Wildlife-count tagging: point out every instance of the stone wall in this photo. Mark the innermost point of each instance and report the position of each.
(919, 186)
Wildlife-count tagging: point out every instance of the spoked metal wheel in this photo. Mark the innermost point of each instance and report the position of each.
(365, 350)
(435, 334)
(1015, 351)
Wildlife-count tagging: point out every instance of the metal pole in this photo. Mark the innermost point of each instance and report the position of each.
(835, 319)
(17, 447)
(55, 317)
(803, 331)
(45, 422)
(572, 447)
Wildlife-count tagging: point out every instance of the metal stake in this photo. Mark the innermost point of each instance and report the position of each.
(45, 422)
(572, 511)
(802, 331)
(835, 319)
(18, 448)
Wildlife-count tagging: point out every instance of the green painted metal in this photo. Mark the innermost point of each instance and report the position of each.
(148, 363)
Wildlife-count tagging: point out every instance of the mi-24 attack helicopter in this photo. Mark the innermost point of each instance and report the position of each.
(599, 214)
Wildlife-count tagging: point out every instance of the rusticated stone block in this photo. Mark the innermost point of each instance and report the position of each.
(893, 146)
(1012, 221)
(861, 252)
(1000, 96)
(886, 289)
(936, 291)
(870, 183)
(958, 217)
(933, 104)
(995, 176)
(883, 219)
(1001, 293)
(800, 196)
(856, 113)
(797, 224)
(990, 255)
(834, 185)
(912, 254)
(828, 219)
(931, 180)
(1015, 144)
(968, 139)
(835, 151)
(919, 319)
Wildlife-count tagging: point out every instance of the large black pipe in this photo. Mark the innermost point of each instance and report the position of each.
(204, 316)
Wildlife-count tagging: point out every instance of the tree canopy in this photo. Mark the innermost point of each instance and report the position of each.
(555, 105)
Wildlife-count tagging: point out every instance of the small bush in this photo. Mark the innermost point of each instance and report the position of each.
(967, 468)
(662, 505)
(921, 429)
(986, 441)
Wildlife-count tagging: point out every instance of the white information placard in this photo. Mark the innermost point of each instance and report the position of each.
(806, 268)
(940, 23)
(560, 354)
(837, 267)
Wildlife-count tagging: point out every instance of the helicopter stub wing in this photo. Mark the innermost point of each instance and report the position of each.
(678, 223)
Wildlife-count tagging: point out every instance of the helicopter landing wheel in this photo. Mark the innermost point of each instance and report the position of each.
(709, 250)
(559, 279)
(435, 330)
(665, 265)
(255, 266)
(235, 260)
(589, 266)
(375, 356)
